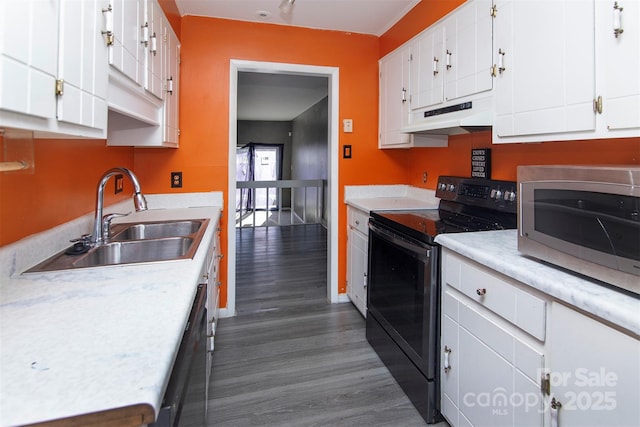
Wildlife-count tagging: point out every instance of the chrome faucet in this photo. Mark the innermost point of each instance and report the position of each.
(101, 224)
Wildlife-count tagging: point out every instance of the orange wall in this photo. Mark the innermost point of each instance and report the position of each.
(456, 159)
(61, 187)
(173, 15)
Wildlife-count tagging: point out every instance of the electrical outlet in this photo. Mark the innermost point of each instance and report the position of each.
(119, 183)
(176, 179)
(424, 177)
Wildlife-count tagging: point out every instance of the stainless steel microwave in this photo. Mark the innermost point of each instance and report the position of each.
(583, 218)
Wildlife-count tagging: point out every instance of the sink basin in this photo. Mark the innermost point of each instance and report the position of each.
(136, 251)
(155, 230)
(133, 243)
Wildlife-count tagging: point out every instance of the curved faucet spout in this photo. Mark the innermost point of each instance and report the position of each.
(139, 202)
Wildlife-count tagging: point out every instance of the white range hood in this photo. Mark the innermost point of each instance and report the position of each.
(453, 118)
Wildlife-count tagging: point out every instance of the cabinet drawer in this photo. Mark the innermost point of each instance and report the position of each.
(358, 220)
(506, 300)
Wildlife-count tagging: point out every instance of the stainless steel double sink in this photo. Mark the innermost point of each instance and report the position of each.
(132, 243)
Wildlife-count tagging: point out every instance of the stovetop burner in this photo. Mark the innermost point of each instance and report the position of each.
(466, 205)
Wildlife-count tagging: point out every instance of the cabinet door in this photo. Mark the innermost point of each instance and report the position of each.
(127, 53)
(619, 63)
(449, 365)
(468, 50)
(155, 51)
(28, 56)
(427, 68)
(545, 78)
(358, 270)
(172, 85)
(82, 64)
(595, 371)
(394, 99)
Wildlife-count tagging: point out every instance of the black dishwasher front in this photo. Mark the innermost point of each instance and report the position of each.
(184, 399)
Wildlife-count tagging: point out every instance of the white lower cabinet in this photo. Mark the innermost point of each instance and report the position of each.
(595, 372)
(357, 258)
(211, 276)
(512, 356)
(489, 370)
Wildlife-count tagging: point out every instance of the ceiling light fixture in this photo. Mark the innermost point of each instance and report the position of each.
(286, 6)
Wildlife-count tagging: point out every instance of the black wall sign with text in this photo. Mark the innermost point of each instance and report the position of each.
(481, 163)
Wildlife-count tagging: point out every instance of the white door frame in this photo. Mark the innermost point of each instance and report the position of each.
(332, 73)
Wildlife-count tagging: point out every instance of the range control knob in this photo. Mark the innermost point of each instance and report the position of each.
(496, 194)
(510, 196)
(442, 186)
(451, 187)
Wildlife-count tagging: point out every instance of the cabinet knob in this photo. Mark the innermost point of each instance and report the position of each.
(481, 292)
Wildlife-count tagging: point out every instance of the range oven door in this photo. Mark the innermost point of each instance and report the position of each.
(403, 294)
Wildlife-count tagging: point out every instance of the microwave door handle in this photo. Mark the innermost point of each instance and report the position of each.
(421, 251)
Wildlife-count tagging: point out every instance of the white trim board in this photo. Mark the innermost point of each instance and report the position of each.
(332, 73)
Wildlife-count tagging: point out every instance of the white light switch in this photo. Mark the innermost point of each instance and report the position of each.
(347, 125)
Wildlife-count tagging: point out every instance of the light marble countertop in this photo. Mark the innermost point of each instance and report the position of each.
(389, 197)
(95, 339)
(498, 251)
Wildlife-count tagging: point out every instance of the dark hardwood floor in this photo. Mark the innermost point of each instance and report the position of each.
(289, 358)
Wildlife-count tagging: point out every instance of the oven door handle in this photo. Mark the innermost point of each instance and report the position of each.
(419, 250)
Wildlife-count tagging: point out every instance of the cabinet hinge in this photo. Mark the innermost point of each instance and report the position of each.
(545, 384)
(59, 90)
(494, 11)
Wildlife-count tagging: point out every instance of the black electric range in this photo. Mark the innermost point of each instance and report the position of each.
(403, 279)
(466, 204)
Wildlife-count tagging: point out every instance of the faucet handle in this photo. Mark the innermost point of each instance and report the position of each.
(85, 238)
(106, 224)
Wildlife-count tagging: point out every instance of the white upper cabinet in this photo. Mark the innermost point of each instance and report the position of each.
(618, 66)
(394, 99)
(82, 66)
(394, 105)
(53, 72)
(468, 50)
(427, 68)
(155, 53)
(126, 54)
(577, 79)
(144, 78)
(545, 76)
(28, 57)
(172, 85)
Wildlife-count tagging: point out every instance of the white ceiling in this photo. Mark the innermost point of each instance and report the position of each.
(281, 97)
(356, 16)
(278, 97)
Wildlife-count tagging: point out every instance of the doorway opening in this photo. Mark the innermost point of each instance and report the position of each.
(332, 76)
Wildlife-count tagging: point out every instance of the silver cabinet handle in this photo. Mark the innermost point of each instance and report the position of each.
(447, 363)
(617, 20)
